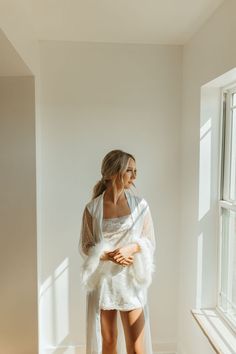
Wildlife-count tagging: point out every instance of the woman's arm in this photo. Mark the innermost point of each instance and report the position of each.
(143, 265)
(86, 234)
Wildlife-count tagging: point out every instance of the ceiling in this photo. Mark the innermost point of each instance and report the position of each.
(119, 21)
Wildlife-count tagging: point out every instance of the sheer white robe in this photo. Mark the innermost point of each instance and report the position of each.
(92, 246)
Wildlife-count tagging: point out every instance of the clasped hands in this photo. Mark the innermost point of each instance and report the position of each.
(122, 255)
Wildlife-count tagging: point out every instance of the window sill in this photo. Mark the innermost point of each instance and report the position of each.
(216, 329)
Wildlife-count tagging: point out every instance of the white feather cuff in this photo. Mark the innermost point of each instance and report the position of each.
(94, 270)
(143, 265)
(93, 266)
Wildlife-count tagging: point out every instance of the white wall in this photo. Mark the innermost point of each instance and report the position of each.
(18, 260)
(17, 25)
(11, 64)
(92, 95)
(210, 53)
(94, 98)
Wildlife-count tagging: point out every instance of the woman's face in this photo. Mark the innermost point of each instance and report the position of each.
(130, 174)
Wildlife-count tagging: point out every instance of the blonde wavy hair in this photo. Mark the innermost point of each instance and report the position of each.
(114, 163)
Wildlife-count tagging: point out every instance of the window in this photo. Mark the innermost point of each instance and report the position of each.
(227, 209)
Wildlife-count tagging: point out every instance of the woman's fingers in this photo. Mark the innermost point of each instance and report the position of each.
(119, 256)
(120, 259)
(126, 261)
(114, 251)
(116, 255)
(111, 254)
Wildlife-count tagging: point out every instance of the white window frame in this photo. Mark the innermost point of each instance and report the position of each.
(223, 186)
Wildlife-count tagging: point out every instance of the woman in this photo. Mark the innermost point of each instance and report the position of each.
(117, 243)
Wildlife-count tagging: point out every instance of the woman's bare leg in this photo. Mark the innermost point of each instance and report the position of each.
(109, 331)
(133, 324)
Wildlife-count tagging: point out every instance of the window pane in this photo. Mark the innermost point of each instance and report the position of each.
(228, 264)
(233, 159)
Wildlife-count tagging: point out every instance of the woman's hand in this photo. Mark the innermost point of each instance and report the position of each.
(125, 253)
(110, 256)
(124, 261)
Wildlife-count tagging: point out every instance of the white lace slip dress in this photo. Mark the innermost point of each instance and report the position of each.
(117, 291)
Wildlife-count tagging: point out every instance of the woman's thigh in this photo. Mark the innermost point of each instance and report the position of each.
(133, 323)
(109, 325)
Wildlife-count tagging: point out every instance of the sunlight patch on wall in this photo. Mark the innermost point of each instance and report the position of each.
(54, 306)
(61, 301)
(46, 308)
(205, 169)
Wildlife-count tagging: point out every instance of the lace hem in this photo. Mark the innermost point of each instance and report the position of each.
(120, 308)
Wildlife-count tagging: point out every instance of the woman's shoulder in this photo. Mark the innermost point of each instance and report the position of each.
(91, 204)
(137, 198)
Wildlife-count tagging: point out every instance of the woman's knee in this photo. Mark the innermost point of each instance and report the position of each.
(109, 330)
(110, 339)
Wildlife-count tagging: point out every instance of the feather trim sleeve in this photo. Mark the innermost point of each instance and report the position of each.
(143, 265)
(92, 267)
(86, 233)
